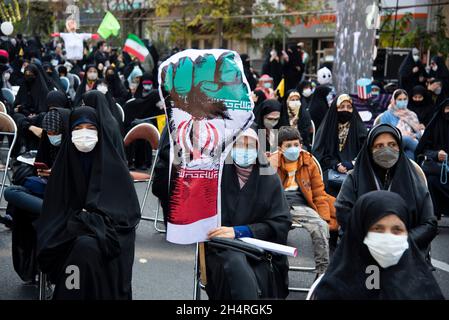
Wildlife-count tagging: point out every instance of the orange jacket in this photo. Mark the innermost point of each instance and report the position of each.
(309, 179)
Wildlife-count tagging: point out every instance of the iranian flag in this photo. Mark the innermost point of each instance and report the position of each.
(136, 47)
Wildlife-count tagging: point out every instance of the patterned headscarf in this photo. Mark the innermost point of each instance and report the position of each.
(52, 121)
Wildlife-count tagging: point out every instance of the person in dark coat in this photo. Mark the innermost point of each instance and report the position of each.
(89, 82)
(305, 89)
(383, 165)
(89, 215)
(411, 71)
(421, 104)
(248, 73)
(434, 147)
(339, 139)
(439, 70)
(319, 105)
(293, 68)
(232, 275)
(378, 237)
(25, 201)
(273, 67)
(115, 86)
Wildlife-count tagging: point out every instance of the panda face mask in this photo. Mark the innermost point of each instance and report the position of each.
(324, 76)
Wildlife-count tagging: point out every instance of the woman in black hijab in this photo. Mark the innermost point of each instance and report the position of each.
(305, 89)
(319, 105)
(296, 115)
(231, 274)
(411, 70)
(434, 145)
(139, 152)
(53, 80)
(293, 68)
(248, 73)
(270, 117)
(32, 94)
(383, 165)
(258, 97)
(30, 106)
(89, 82)
(421, 103)
(89, 215)
(339, 138)
(369, 242)
(25, 202)
(439, 70)
(115, 86)
(98, 101)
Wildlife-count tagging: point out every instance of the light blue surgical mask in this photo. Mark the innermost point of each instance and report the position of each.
(401, 104)
(148, 87)
(244, 157)
(55, 140)
(292, 153)
(267, 85)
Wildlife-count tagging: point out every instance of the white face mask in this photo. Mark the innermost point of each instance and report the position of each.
(102, 88)
(415, 58)
(92, 76)
(85, 140)
(294, 106)
(270, 124)
(386, 248)
(307, 92)
(435, 68)
(7, 76)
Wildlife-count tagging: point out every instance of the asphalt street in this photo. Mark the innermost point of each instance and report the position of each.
(165, 271)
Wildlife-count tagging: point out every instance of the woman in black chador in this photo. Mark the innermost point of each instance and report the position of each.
(89, 215)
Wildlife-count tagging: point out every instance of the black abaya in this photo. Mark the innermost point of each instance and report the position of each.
(407, 78)
(89, 216)
(424, 109)
(326, 146)
(346, 277)
(402, 179)
(232, 275)
(319, 106)
(434, 139)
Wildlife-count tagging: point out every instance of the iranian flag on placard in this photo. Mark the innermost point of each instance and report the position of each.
(136, 47)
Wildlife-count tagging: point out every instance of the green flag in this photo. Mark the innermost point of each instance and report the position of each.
(109, 26)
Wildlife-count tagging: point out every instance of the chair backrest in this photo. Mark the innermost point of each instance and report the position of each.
(129, 100)
(313, 132)
(143, 131)
(420, 171)
(7, 124)
(65, 83)
(318, 165)
(122, 113)
(377, 120)
(77, 81)
(3, 107)
(8, 94)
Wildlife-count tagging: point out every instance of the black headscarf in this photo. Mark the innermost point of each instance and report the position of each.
(57, 99)
(261, 97)
(318, 105)
(82, 87)
(326, 146)
(53, 78)
(407, 78)
(442, 74)
(268, 106)
(57, 119)
(436, 135)
(107, 194)
(32, 96)
(424, 109)
(98, 101)
(402, 179)
(305, 101)
(346, 276)
(115, 86)
(146, 76)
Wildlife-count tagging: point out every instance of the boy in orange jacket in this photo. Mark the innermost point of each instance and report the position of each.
(310, 205)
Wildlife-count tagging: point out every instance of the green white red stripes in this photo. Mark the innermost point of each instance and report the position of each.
(135, 47)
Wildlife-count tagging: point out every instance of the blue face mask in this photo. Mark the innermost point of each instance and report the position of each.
(148, 87)
(292, 153)
(402, 104)
(244, 157)
(267, 85)
(55, 140)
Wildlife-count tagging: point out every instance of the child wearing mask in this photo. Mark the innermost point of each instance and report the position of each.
(309, 204)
